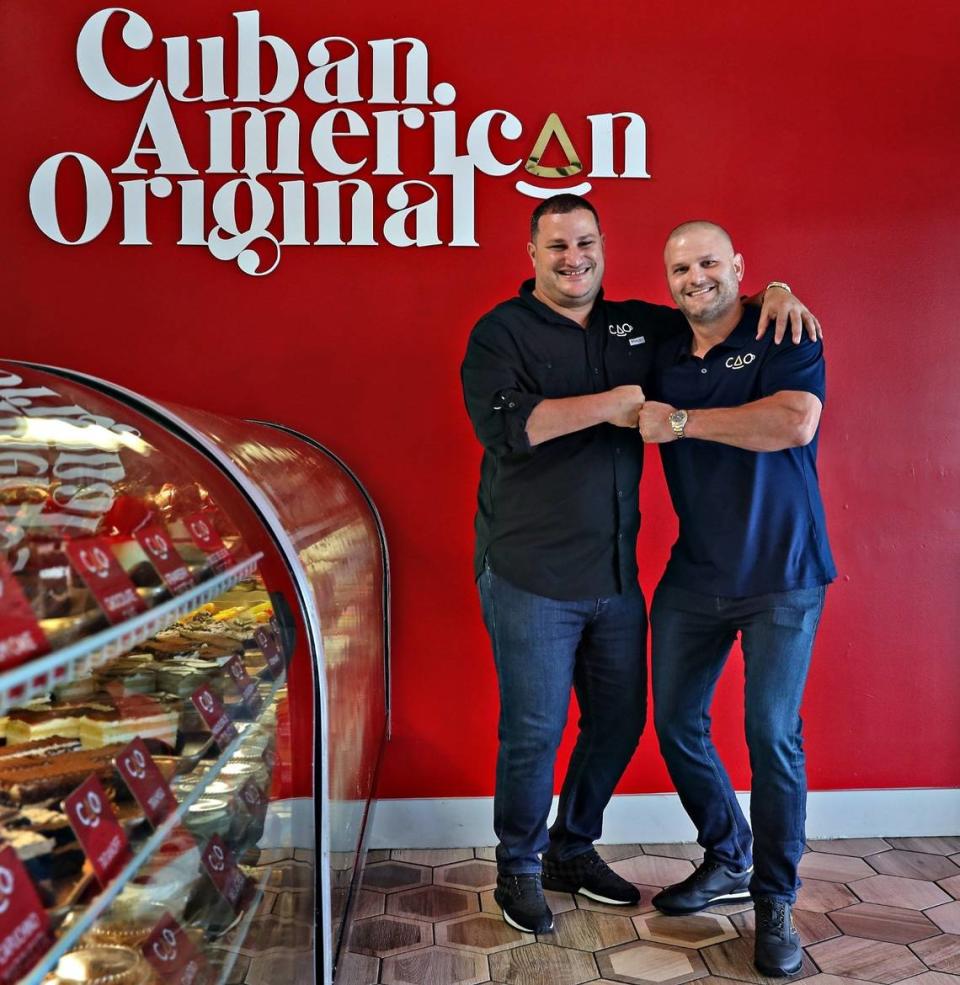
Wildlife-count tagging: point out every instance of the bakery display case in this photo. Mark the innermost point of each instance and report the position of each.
(194, 690)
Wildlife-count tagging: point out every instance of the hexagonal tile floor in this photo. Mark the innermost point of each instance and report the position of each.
(872, 910)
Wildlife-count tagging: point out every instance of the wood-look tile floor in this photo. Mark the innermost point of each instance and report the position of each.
(276, 946)
(870, 910)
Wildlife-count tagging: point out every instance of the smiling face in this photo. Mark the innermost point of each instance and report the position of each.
(567, 256)
(703, 272)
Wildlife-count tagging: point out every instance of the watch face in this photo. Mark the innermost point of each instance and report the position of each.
(678, 418)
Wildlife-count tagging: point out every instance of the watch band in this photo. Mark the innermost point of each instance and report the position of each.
(780, 284)
(678, 421)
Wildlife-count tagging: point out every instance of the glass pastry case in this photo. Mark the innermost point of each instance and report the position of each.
(194, 690)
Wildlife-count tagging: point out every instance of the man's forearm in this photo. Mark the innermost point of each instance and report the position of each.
(786, 420)
(553, 418)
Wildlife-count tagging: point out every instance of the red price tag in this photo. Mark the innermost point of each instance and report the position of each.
(142, 775)
(214, 714)
(158, 546)
(231, 883)
(93, 560)
(171, 954)
(269, 644)
(246, 685)
(269, 758)
(24, 926)
(20, 636)
(97, 829)
(252, 798)
(204, 535)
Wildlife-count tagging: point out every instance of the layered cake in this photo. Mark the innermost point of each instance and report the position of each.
(49, 823)
(52, 746)
(47, 777)
(33, 849)
(182, 678)
(164, 646)
(136, 673)
(63, 720)
(133, 716)
(165, 882)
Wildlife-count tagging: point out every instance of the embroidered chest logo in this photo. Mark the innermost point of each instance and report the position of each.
(740, 361)
(620, 330)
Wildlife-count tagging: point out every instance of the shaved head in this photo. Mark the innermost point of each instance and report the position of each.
(704, 272)
(700, 226)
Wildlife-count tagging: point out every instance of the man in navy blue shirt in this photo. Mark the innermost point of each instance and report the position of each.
(737, 419)
(552, 380)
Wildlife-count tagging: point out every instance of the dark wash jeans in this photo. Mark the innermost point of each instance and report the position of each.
(692, 636)
(542, 647)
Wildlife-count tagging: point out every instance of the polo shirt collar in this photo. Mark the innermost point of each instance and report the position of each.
(547, 313)
(744, 333)
(741, 336)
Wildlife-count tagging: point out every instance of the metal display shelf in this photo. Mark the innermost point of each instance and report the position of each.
(32, 679)
(67, 941)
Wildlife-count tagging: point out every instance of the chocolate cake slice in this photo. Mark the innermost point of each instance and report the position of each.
(57, 776)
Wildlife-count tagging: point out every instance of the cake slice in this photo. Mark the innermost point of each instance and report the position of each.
(134, 715)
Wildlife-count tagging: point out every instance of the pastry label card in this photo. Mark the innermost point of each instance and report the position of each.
(24, 926)
(142, 775)
(269, 758)
(204, 535)
(214, 715)
(20, 637)
(171, 954)
(245, 684)
(97, 829)
(269, 643)
(252, 798)
(111, 586)
(159, 548)
(231, 883)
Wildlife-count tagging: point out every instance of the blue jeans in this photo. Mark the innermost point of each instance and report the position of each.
(692, 636)
(542, 648)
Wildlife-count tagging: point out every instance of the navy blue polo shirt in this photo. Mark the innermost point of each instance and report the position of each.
(750, 522)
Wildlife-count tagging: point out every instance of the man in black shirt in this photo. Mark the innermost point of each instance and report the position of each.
(553, 381)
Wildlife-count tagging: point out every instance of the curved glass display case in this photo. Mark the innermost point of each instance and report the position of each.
(194, 690)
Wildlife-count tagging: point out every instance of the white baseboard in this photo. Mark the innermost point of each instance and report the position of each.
(468, 821)
(289, 824)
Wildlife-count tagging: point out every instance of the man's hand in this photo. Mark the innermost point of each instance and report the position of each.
(781, 306)
(625, 404)
(654, 423)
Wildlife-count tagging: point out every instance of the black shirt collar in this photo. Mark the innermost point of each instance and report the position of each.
(547, 313)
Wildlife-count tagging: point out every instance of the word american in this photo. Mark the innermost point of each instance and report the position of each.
(241, 206)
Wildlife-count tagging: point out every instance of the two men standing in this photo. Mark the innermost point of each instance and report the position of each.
(554, 381)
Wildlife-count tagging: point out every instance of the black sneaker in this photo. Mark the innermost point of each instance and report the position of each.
(777, 949)
(712, 883)
(589, 875)
(523, 905)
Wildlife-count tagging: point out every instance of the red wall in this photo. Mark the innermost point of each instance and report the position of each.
(824, 136)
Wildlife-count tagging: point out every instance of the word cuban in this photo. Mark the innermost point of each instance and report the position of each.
(249, 217)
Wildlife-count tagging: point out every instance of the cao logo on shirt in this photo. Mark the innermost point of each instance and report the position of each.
(740, 361)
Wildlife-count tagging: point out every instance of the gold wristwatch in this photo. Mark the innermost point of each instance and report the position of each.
(678, 421)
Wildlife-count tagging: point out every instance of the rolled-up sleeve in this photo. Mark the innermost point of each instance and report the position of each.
(498, 396)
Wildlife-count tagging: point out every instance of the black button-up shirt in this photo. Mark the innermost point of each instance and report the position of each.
(559, 519)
